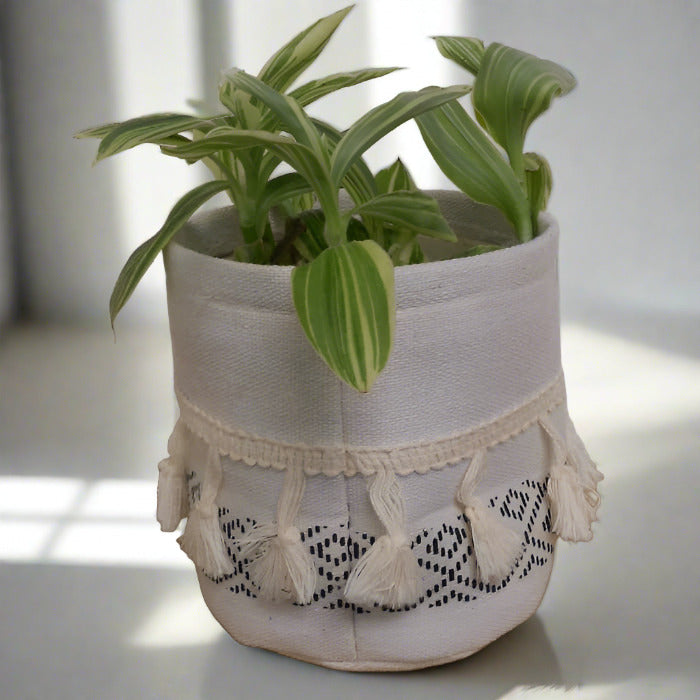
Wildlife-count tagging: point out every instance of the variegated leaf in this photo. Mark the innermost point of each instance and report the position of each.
(316, 89)
(378, 122)
(511, 90)
(414, 211)
(467, 156)
(153, 128)
(466, 52)
(345, 302)
(280, 188)
(305, 161)
(140, 260)
(289, 113)
(287, 64)
(394, 177)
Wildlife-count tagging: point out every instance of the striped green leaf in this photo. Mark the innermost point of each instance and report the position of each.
(467, 156)
(511, 90)
(96, 132)
(345, 302)
(287, 64)
(358, 180)
(153, 128)
(378, 122)
(414, 211)
(304, 160)
(538, 177)
(286, 110)
(316, 89)
(140, 260)
(310, 242)
(466, 52)
(395, 177)
(280, 188)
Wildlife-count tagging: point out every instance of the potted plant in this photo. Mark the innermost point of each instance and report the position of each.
(373, 452)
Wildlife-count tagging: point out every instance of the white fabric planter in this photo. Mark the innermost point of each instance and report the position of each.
(392, 530)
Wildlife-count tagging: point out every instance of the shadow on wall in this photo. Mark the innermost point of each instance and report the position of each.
(58, 76)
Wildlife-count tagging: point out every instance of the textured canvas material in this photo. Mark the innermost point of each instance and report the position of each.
(475, 338)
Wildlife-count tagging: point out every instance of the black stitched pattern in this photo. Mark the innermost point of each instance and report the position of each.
(444, 552)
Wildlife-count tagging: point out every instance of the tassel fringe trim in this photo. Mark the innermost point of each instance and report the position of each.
(388, 573)
(572, 485)
(172, 504)
(281, 566)
(203, 539)
(420, 457)
(496, 546)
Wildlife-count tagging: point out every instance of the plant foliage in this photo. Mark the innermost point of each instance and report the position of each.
(343, 258)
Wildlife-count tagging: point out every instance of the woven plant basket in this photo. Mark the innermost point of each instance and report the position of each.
(398, 529)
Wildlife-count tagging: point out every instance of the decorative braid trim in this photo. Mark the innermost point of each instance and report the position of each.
(420, 457)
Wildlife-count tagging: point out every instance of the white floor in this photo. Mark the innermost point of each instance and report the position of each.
(97, 603)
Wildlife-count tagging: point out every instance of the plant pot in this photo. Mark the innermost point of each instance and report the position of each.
(398, 529)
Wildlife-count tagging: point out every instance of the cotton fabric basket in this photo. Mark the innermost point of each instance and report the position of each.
(398, 529)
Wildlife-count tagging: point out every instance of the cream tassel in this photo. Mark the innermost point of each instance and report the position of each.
(587, 469)
(282, 567)
(573, 501)
(496, 546)
(203, 540)
(172, 485)
(388, 573)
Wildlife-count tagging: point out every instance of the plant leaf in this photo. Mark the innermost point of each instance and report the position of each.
(394, 177)
(153, 128)
(415, 211)
(358, 180)
(345, 302)
(299, 156)
(538, 177)
(378, 122)
(140, 260)
(289, 62)
(511, 90)
(310, 242)
(281, 188)
(316, 89)
(466, 52)
(467, 156)
(291, 116)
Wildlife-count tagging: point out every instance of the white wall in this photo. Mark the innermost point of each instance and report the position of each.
(623, 146)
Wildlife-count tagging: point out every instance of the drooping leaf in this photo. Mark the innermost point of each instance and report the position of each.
(153, 128)
(394, 177)
(140, 260)
(467, 156)
(538, 177)
(511, 90)
(345, 302)
(378, 122)
(414, 211)
(287, 64)
(466, 52)
(316, 89)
